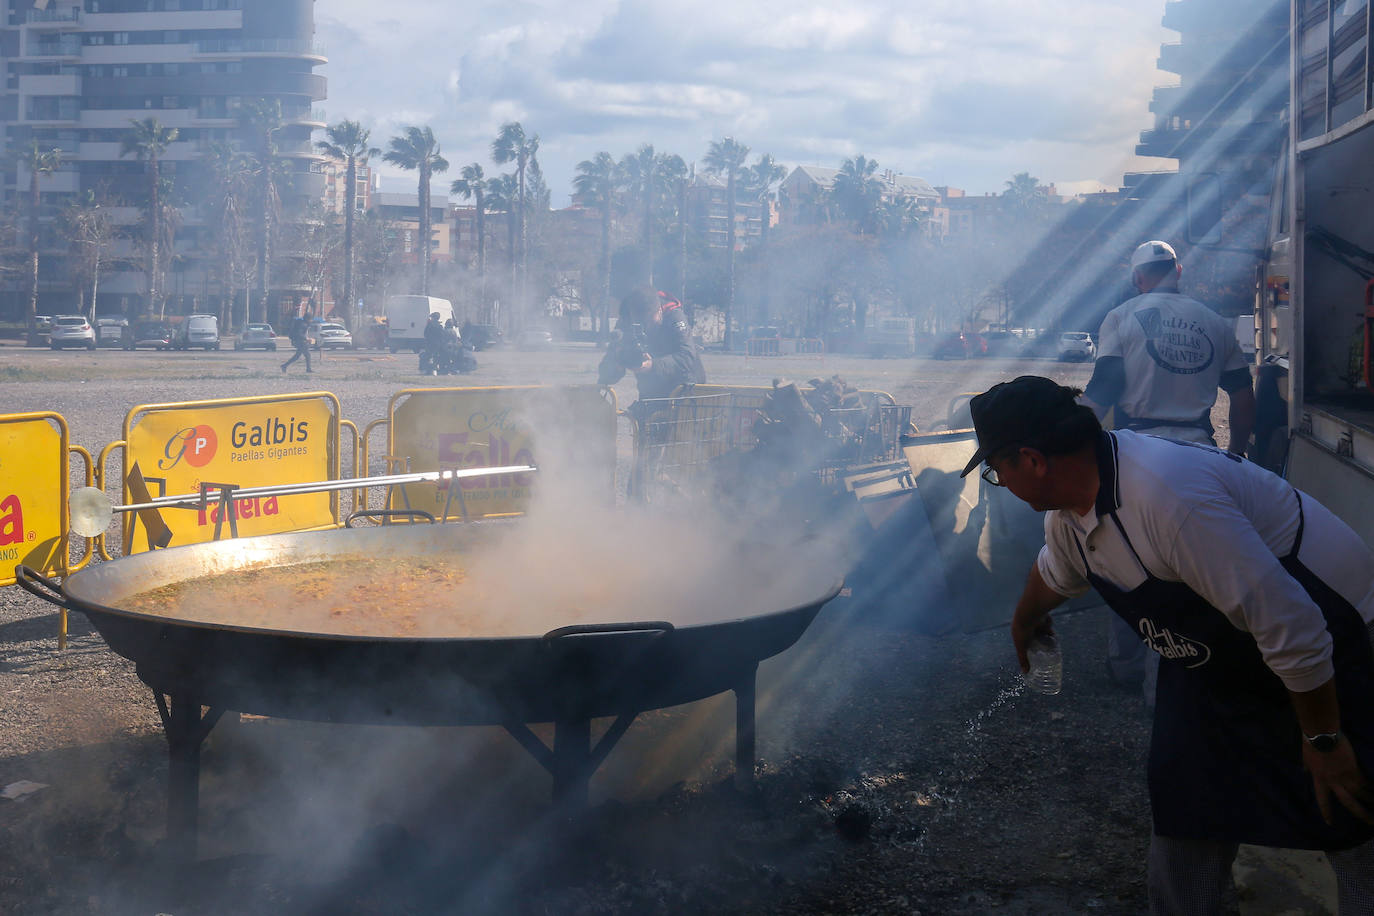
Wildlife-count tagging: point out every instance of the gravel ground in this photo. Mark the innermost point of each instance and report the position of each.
(898, 773)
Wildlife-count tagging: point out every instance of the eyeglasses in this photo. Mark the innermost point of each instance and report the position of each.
(989, 473)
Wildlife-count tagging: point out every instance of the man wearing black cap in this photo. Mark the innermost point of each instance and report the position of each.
(1259, 602)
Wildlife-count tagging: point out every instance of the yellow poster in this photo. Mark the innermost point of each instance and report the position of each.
(242, 444)
(568, 433)
(33, 489)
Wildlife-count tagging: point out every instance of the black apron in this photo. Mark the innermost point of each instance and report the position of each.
(1226, 748)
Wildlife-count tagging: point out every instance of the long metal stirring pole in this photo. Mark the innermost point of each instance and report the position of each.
(191, 500)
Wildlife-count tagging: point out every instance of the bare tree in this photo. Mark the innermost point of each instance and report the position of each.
(90, 231)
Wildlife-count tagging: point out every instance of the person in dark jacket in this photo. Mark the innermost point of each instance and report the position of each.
(655, 343)
(298, 334)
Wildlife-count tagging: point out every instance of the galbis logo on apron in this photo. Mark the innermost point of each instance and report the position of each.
(1190, 652)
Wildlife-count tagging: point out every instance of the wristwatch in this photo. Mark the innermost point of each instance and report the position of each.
(1325, 743)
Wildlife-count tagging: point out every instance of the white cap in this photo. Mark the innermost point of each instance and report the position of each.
(1153, 252)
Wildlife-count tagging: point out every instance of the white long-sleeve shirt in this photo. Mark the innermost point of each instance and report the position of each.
(1220, 525)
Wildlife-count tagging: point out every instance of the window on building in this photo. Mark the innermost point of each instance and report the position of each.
(120, 38)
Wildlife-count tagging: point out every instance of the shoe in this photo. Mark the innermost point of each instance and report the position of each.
(308, 371)
(283, 367)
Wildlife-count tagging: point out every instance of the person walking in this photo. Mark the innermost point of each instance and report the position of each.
(1259, 602)
(1161, 358)
(300, 339)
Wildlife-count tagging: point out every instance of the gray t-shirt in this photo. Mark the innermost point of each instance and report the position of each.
(1175, 350)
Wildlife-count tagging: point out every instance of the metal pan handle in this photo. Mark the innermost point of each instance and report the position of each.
(411, 514)
(659, 627)
(35, 583)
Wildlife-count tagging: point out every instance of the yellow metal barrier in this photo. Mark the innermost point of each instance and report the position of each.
(253, 441)
(35, 485)
(561, 430)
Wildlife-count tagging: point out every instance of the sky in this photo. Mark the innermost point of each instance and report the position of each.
(963, 93)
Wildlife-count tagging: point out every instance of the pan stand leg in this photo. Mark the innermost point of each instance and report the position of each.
(572, 747)
(186, 730)
(573, 760)
(744, 731)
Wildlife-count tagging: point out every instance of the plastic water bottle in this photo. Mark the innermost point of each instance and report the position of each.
(1046, 674)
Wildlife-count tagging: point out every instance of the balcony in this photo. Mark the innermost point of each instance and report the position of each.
(265, 47)
(49, 84)
(52, 18)
(66, 111)
(1172, 58)
(67, 47)
(313, 117)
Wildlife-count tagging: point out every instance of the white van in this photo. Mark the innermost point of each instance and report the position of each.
(406, 317)
(198, 331)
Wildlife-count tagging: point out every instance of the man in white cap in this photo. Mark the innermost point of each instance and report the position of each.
(1161, 358)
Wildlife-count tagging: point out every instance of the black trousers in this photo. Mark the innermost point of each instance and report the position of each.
(302, 349)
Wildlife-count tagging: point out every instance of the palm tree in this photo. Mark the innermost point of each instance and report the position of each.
(502, 194)
(348, 140)
(676, 179)
(512, 145)
(1025, 193)
(642, 178)
(896, 218)
(416, 150)
(473, 186)
(759, 179)
(148, 140)
(38, 161)
(597, 181)
(857, 192)
(263, 121)
(726, 157)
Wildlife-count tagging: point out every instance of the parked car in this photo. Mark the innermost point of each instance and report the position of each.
(1076, 345)
(330, 335)
(198, 331)
(1003, 343)
(961, 345)
(483, 336)
(153, 334)
(110, 331)
(71, 331)
(256, 337)
(535, 339)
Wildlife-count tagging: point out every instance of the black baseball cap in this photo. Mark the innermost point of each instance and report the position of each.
(1022, 410)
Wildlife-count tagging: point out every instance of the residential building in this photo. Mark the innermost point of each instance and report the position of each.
(1219, 133)
(803, 194)
(335, 196)
(708, 213)
(77, 73)
(401, 213)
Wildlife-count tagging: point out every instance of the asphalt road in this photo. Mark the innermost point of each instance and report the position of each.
(95, 390)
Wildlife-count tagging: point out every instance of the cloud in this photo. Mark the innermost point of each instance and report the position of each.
(966, 92)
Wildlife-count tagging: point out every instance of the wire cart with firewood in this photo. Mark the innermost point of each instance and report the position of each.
(756, 445)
